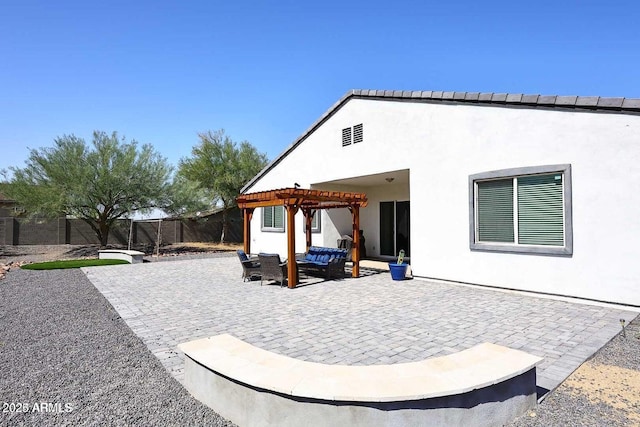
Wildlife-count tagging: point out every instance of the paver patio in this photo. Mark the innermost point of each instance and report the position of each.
(369, 320)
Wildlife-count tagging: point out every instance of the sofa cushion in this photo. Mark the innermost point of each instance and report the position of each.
(322, 257)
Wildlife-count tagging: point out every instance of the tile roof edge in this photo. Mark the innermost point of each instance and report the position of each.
(565, 101)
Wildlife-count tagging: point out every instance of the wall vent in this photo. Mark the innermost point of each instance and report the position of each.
(357, 133)
(346, 137)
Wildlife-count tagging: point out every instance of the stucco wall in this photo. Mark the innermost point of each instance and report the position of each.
(442, 144)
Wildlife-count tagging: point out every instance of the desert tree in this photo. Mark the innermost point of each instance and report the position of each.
(222, 166)
(98, 183)
(185, 197)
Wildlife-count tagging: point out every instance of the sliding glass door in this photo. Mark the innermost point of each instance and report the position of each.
(394, 228)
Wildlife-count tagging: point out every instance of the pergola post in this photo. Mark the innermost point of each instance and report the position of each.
(247, 213)
(308, 217)
(292, 267)
(355, 253)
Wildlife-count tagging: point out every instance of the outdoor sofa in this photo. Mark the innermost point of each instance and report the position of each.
(326, 261)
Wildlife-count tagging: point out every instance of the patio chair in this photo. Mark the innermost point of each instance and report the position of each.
(250, 266)
(271, 268)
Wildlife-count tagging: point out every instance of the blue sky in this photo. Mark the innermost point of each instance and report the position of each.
(162, 71)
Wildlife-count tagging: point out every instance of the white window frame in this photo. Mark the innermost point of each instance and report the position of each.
(476, 245)
(272, 228)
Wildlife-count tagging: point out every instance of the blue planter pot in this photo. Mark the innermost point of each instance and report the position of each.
(398, 271)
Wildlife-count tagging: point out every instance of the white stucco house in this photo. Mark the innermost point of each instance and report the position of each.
(527, 192)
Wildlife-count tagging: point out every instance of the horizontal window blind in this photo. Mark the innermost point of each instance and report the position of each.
(540, 210)
(278, 217)
(267, 217)
(495, 211)
(273, 217)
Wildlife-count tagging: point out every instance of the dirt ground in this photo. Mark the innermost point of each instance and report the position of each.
(40, 253)
(12, 257)
(603, 391)
(622, 390)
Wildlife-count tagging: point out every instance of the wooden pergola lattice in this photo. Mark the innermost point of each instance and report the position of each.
(309, 201)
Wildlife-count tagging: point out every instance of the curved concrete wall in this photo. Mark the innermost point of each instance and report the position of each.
(250, 406)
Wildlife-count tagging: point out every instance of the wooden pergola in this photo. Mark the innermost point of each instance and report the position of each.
(309, 201)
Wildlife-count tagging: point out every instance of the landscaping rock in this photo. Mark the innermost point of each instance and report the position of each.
(67, 358)
(5, 268)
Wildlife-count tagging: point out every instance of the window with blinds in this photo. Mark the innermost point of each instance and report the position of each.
(273, 218)
(540, 210)
(495, 211)
(527, 212)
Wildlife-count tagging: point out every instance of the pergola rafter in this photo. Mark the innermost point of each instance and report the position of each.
(309, 201)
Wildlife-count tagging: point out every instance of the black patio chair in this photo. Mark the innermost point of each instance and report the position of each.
(271, 268)
(250, 266)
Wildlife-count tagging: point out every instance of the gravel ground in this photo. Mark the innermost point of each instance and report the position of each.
(604, 391)
(67, 358)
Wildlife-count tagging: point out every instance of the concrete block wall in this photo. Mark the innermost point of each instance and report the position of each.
(80, 233)
(60, 231)
(37, 231)
(6, 231)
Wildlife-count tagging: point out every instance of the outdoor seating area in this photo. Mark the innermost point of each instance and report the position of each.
(308, 201)
(329, 262)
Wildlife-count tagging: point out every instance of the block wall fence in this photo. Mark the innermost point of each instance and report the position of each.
(63, 231)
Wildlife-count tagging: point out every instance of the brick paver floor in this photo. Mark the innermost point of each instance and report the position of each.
(370, 320)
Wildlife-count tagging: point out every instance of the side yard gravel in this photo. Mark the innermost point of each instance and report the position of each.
(604, 391)
(67, 358)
